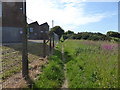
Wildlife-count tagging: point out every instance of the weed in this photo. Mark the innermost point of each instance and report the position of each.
(90, 65)
(53, 74)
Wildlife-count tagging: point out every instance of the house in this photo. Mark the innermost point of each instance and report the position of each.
(0, 31)
(12, 22)
(38, 32)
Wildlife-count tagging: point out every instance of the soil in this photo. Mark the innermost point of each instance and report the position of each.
(17, 81)
(65, 83)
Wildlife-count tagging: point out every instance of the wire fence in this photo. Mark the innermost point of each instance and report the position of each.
(56, 39)
(19, 58)
(12, 56)
(11, 61)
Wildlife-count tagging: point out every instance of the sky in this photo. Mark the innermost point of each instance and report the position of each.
(75, 15)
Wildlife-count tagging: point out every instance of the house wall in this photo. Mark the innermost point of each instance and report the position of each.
(12, 14)
(11, 34)
(45, 29)
(0, 9)
(40, 32)
(0, 23)
(35, 34)
(12, 22)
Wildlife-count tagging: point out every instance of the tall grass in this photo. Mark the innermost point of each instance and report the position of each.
(91, 64)
(12, 57)
(53, 74)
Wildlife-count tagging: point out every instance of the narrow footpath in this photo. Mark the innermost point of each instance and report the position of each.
(65, 84)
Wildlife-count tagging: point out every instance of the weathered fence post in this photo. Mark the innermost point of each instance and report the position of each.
(50, 45)
(119, 46)
(53, 41)
(24, 46)
(44, 48)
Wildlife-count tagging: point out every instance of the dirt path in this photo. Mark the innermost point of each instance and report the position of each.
(17, 81)
(65, 84)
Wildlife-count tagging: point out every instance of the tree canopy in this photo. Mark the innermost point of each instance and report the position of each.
(110, 35)
(69, 32)
(58, 30)
(113, 34)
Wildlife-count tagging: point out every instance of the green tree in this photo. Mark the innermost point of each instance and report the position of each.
(69, 32)
(113, 34)
(58, 30)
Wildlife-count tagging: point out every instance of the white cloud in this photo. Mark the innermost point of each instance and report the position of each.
(67, 13)
(102, 0)
(67, 0)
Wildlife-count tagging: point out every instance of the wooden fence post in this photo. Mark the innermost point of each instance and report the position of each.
(24, 47)
(53, 41)
(118, 46)
(50, 45)
(44, 48)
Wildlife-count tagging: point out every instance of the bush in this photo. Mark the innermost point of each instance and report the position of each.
(113, 34)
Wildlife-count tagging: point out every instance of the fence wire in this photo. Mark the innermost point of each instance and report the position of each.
(56, 38)
(11, 61)
(12, 56)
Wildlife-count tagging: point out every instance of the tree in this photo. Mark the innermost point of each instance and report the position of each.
(113, 34)
(69, 32)
(58, 30)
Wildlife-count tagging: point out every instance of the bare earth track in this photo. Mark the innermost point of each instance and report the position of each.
(65, 84)
(17, 81)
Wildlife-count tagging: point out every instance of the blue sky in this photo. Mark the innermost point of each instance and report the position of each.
(110, 22)
(75, 15)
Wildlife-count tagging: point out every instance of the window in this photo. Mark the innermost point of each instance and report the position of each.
(21, 31)
(41, 31)
(31, 29)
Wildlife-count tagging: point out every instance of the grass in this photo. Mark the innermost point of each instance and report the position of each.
(12, 57)
(90, 66)
(53, 73)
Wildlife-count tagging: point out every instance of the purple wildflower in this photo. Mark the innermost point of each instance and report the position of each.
(109, 46)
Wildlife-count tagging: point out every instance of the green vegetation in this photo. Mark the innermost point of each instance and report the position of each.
(12, 56)
(53, 74)
(113, 34)
(109, 36)
(58, 30)
(91, 64)
(69, 32)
